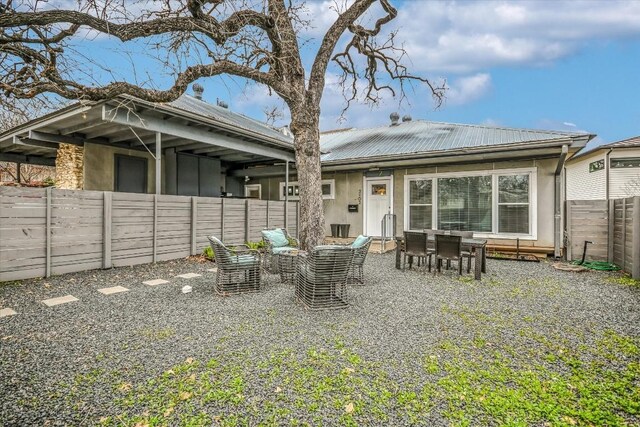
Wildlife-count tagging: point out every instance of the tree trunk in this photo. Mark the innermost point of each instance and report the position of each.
(305, 126)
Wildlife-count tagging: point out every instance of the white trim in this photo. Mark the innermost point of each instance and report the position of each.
(365, 191)
(494, 173)
(248, 187)
(331, 196)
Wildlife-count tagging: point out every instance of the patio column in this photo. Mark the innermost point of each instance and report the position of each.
(286, 194)
(158, 163)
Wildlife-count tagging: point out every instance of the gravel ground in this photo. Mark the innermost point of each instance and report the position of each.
(78, 363)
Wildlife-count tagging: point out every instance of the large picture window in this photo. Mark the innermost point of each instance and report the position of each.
(498, 202)
(464, 203)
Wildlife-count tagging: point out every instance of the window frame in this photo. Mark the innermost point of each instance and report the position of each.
(494, 173)
(408, 198)
(330, 196)
(248, 187)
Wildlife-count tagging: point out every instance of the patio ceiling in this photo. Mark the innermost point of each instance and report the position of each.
(133, 125)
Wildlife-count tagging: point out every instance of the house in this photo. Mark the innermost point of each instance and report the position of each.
(504, 184)
(610, 171)
(184, 147)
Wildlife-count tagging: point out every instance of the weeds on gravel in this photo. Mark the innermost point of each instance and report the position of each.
(157, 334)
(625, 281)
(469, 381)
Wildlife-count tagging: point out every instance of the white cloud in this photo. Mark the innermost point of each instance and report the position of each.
(468, 89)
(464, 37)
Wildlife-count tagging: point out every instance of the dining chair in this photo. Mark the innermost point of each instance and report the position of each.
(448, 247)
(466, 254)
(415, 245)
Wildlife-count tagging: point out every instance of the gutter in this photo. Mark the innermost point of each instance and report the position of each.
(606, 173)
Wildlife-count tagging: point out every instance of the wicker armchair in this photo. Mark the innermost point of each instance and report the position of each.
(239, 271)
(360, 251)
(272, 248)
(321, 277)
(466, 253)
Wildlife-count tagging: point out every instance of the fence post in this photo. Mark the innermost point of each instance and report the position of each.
(49, 237)
(610, 230)
(624, 233)
(222, 219)
(194, 225)
(106, 230)
(569, 233)
(155, 227)
(268, 225)
(247, 223)
(635, 266)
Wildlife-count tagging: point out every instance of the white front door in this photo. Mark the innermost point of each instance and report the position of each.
(378, 203)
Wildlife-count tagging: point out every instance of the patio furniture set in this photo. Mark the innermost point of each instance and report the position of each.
(320, 276)
(443, 246)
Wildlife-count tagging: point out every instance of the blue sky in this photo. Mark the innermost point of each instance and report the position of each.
(562, 65)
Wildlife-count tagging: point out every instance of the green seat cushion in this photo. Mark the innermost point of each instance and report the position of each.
(359, 242)
(276, 237)
(281, 249)
(244, 260)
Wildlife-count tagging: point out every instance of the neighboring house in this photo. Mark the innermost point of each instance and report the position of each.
(610, 171)
(185, 147)
(503, 184)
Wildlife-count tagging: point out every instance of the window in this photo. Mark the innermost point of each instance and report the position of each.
(596, 166)
(465, 203)
(378, 189)
(328, 190)
(420, 203)
(130, 174)
(632, 162)
(492, 203)
(253, 191)
(513, 204)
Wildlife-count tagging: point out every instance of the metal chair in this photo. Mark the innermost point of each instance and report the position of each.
(415, 245)
(356, 272)
(466, 254)
(271, 250)
(449, 248)
(239, 270)
(321, 277)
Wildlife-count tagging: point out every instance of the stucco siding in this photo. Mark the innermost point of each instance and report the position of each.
(99, 167)
(585, 185)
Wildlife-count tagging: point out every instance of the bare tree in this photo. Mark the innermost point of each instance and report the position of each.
(14, 113)
(260, 41)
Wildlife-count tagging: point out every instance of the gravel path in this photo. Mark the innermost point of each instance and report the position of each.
(70, 364)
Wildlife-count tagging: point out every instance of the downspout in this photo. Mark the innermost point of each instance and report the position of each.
(557, 216)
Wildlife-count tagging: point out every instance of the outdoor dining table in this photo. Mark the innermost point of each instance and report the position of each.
(479, 245)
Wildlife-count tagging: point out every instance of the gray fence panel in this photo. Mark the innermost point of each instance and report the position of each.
(50, 231)
(22, 233)
(588, 220)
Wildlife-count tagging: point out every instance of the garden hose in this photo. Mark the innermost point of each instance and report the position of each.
(597, 265)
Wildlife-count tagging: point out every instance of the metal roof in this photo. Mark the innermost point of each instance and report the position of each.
(421, 136)
(225, 115)
(633, 142)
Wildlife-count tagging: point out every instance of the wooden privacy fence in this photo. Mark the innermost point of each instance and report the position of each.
(51, 231)
(614, 228)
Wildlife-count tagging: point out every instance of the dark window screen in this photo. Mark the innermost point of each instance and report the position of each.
(131, 174)
(188, 179)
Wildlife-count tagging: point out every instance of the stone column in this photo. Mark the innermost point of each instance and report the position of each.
(70, 167)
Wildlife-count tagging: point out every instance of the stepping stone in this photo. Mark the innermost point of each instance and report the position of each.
(5, 312)
(60, 300)
(155, 282)
(113, 290)
(213, 270)
(189, 275)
